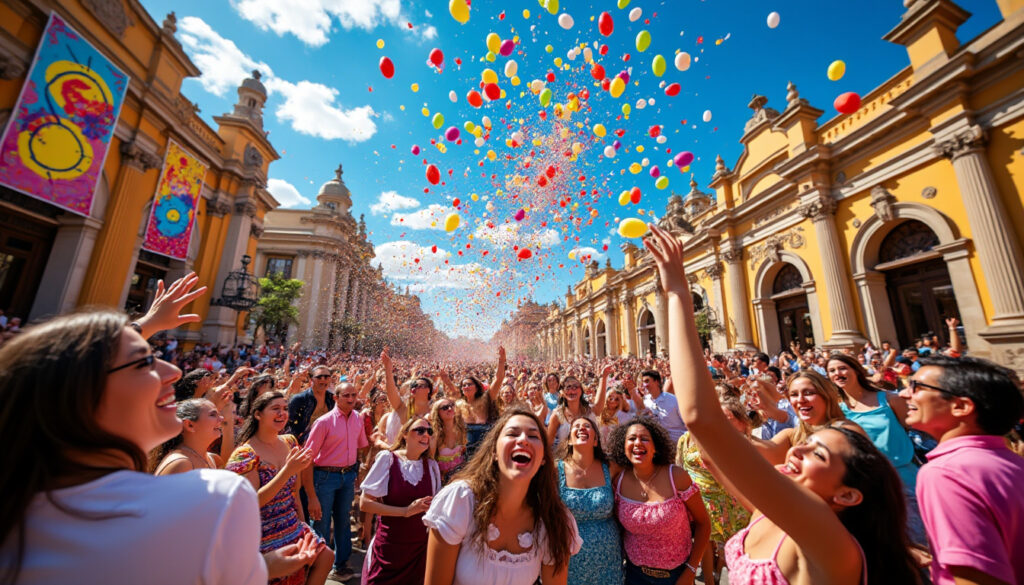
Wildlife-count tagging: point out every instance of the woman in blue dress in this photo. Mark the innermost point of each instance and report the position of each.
(584, 482)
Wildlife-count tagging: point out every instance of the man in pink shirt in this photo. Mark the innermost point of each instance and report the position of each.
(335, 441)
(970, 489)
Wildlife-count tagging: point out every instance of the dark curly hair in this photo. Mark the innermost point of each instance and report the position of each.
(185, 387)
(664, 449)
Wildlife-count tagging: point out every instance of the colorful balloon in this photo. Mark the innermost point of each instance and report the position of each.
(622, 4)
(453, 97)
(683, 159)
(605, 24)
(525, 253)
(773, 20)
(507, 47)
(683, 61)
(707, 116)
(552, 6)
(492, 91)
(474, 98)
(609, 151)
(493, 42)
(847, 103)
(661, 183)
(451, 134)
(597, 72)
(565, 21)
(635, 14)
(451, 223)
(459, 10)
(489, 76)
(545, 97)
(658, 65)
(643, 40)
(387, 68)
(672, 89)
(520, 215)
(617, 87)
(634, 195)
(437, 120)
(632, 227)
(655, 171)
(415, 150)
(436, 57)
(511, 68)
(433, 175)
(599, 130)
(624, 198)
(836, 70)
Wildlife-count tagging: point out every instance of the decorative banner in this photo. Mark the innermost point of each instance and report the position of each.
(174, 207)
(59, 133)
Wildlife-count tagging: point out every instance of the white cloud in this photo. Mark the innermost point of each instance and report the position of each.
(428, 218)
(311, 21)
(390, 201)
(310, 108)
(286, 193)
(399, 261)
(508, 234)
(223, 64)
(583, 251)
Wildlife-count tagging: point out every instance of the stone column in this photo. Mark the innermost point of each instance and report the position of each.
(578, 328)
(593, 335)
(611, 328)
(737, 299)
(629, 332)
(221, 322)
(998, 247)
(845, 333)
(66, 266)
(660, 318)
(719, 337)
(341, 289)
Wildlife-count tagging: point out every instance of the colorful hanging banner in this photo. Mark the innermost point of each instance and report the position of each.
(59, 133)
(169, 230)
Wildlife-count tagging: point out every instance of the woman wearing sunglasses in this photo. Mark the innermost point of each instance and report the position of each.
(450, 448)
(421, 392)
(573, 404)
(399, 488)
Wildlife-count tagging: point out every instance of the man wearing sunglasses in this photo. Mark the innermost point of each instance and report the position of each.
(335, 440)
(970, 489)
(307, 406)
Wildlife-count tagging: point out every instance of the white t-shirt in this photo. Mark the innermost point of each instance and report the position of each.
(376, 482)
(666, 409)
(202, 526)
(451, 514)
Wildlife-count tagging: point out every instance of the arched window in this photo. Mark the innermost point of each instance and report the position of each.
(788, 279)
(698, 301)
(908, 239)
(648, 334)
(586, 341)
(602, 340)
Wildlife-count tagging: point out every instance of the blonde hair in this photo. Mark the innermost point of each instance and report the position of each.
(828, 392)
(458, 422)
(403, 434)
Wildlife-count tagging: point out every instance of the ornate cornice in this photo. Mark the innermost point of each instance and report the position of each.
(111, 15)
(135, 156)
(732, 256)
(218, 207)
(882, 201)
(714, 271)
(256, 230)
(820, 209)
(963, 142)
(771, 247)
(245, 206)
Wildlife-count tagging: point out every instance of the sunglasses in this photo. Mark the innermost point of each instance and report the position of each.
(447, 407)
(148, 360)
(914, 385)
(321, 377)
(421, 385)
(423, 431)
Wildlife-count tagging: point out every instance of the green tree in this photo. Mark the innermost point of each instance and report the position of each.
(275, 310)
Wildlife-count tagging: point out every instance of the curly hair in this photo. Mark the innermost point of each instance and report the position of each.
(185, 387)
(483, 475)
(458, 422)
(664, 449)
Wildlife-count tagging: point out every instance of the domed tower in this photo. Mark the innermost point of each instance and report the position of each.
(334, 195)
(252, 94)
(696, 201)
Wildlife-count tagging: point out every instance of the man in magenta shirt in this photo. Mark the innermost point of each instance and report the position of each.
(970, 489)
(335, 440)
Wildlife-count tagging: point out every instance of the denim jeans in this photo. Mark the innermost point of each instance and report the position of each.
(335, 491)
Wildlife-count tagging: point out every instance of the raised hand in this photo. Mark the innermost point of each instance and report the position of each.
(165, 312)
(667, 252)
(418, 506)
(297, 460)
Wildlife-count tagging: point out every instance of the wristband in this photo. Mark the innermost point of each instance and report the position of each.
(689, 566)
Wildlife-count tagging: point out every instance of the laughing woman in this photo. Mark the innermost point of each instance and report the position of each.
(399, 488)
(271, 462)
(572, 403)
(479, 407)
(201, 425)
(501, 520)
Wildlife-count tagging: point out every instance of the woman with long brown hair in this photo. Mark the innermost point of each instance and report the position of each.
(449, 450)
(398, 488)
(502, 520)
(479, 406)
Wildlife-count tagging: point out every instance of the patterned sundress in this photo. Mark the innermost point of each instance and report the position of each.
(599, 562)
(279, 519)
(727, 515)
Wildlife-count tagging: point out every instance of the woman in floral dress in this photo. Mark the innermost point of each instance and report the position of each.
(272, 462)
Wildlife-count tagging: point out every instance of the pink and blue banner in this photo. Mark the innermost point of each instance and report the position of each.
(59, 133)
(173, 213)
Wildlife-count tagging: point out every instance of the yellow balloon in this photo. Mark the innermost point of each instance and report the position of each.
(451, 223)
(599, 130)
(469, 127)
(658, 65)
(491, 155)
(639, 147)
(490, 57)
(489, 76)
(836, 70)
(474, 197)
(459, 10)
(558, 61)
(515, 80)
(635, 168)
(632, 227)
(414, 87)
(425, 112)
(662, 182)
(617, 87)
(380, 43)
(626, 109)
(526, 14)
(643, 40)
(438, 120)
(493, 42)
(552, 6)
(549, 48)
(624, 198)
(572, 254)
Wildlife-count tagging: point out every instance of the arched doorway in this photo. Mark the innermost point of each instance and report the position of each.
(586, 341)
(602, 340)
(792, 308)
(918, 283)
(698, 308)
(648, 337)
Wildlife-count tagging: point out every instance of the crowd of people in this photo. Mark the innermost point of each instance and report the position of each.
(265, 463)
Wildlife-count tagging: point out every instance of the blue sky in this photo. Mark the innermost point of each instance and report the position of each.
(329, 103)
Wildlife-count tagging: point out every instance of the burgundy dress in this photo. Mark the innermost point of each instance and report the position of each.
(399, 553)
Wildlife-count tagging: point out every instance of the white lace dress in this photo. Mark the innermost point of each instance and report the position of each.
(451, 514)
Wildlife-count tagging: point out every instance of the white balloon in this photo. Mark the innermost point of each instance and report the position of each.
(588, 55)
(518, 136)
(565, 21)
(641, 104)
(486, 122)
(609, 151)
(773, 20)
(662, 139)
(479, 141)
(650, 101)
(683, 61)
(511, 67)
(707, 115)
(635, 14)
(646, 161)
(452, 96)
(489, 206)
(536, 86)
(571, 55)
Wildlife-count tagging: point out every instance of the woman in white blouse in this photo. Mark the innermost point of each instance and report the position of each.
(502, 521)
(399, 488)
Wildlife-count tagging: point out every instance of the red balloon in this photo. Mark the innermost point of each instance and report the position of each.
(550, 77)
(433, 175)
(605, 24)
(455, 202)
(672, 89)
(492, 90)
(474, 99)
(606, 83)
(387, 68)
(597, 72)
(436, 57)
(525, 254)
(603, 50)
(847, 103)
(634, 195)
(654, 131)
(542, 181)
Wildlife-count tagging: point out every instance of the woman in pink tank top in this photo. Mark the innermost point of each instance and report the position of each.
(834, 494)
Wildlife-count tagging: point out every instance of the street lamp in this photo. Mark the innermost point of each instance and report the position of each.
(240, 291)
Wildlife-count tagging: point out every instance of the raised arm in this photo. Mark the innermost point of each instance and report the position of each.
(449, 387)
(954, 337)
(816, 530)
(499, 375)
(394, 398)
(602, 389)
(165, 312)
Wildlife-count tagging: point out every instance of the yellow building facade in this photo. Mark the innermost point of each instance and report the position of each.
(52, 261)
(873, 226)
